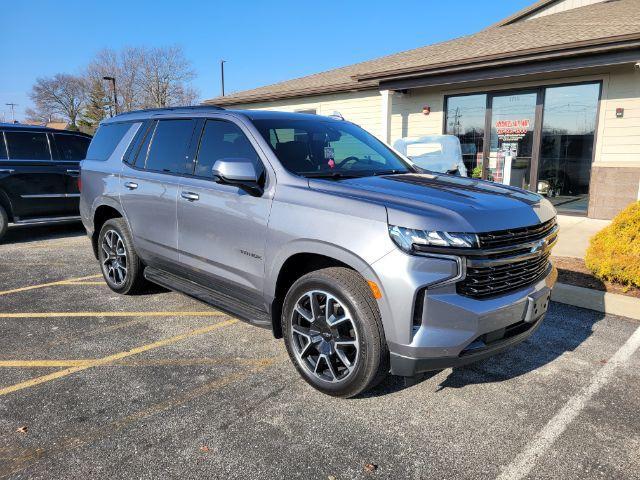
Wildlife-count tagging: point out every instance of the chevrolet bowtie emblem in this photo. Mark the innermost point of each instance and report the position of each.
(538, 246)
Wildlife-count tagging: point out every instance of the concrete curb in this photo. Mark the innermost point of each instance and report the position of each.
(596, 300)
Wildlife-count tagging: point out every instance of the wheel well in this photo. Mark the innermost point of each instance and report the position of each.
(103, 213)
(293, 268)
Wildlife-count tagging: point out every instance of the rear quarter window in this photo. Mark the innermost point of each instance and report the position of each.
(72, 147)
(106, 140)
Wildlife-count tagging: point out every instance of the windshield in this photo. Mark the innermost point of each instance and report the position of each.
(324, 148)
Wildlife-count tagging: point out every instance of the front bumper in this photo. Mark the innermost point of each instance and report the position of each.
(446, 329)
(479, 332)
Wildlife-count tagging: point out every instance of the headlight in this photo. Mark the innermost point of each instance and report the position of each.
(406, 238)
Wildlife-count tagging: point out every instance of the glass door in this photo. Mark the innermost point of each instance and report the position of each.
(566, 151)
(511, 144)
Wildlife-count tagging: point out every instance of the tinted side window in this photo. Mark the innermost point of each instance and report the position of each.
(3, 148)
(220, 140)
(28, 146)
(72, 147)
(168, 151)
(106, 140)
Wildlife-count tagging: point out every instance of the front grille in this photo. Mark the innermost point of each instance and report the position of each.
(515, 236)
(508, 260)
(482, 282)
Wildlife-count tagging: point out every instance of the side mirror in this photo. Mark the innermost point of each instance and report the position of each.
(240, 172)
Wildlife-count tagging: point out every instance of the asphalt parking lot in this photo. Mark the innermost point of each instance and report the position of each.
(97, 385)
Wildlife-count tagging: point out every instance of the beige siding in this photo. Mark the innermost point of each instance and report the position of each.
(618, 142)
(561, 6)
(362, 108)
(407, 119)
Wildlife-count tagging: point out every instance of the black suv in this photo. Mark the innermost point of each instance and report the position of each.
(39, 172)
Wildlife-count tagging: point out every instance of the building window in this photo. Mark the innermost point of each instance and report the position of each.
(566, 151)
(465, 120)
(541, 139)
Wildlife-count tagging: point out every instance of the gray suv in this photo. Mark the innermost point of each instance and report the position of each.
(310, 226)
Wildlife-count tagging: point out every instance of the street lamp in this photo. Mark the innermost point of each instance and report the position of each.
(115, 95)
(222, 62)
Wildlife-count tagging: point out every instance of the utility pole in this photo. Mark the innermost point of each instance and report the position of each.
(222, 62)
(13, 113)
(115, 95)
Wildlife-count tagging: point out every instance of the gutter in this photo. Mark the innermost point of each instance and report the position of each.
(543, 53)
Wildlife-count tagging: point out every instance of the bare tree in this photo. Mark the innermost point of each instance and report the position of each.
(41, 116)
(146, 77)
(165, 77)
(123, 65)
(61, 94)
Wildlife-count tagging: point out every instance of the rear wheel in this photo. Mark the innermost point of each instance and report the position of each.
(333, 332)
(4, 222)
(121, 266)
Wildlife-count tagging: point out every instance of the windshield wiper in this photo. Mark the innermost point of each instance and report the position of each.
(390, 172)
(329, 175)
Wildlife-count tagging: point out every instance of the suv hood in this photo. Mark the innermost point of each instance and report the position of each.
(445, 202)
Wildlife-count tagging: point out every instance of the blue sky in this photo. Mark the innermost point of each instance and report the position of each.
(263, 41)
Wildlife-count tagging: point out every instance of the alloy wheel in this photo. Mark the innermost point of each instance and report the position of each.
(324, 336)
(114, 261)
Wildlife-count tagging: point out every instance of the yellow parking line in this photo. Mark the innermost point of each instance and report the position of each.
(43, 363)
(85, 283)
(49, 284)
(107, 314)
(146, 362)
(26, 457)
(111, 358)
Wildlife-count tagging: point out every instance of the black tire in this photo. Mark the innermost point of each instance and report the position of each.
(352, 291)
(4, 222)
(133, 282)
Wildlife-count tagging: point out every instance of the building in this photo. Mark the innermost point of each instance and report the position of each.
(57, 125)
(547, 99)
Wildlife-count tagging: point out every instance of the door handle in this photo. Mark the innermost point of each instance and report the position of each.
(73, 171)
(192, 197)
(6, 170)
(131, 185)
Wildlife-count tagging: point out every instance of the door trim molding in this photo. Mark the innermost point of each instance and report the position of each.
(52, 195)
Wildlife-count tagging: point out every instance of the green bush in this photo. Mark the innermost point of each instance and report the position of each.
(477, 172)
(614, 252)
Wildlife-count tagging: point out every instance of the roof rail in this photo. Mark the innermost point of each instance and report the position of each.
(165, 109)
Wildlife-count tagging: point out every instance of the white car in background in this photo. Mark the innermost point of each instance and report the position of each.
(438, 153)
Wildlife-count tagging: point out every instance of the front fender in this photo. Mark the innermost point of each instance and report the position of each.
(310, 246)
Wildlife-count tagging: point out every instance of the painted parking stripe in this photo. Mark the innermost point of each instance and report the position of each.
(144, 362)
(117, 356)
(44, 363)
(49, 284)
(526, 459)
(207, 313)
(67, 443)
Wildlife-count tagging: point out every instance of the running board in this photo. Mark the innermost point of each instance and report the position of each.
(46, 220)
(243, 311)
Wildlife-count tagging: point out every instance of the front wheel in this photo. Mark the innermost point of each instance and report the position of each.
(4, 222)
(121, 266)
(333, 332)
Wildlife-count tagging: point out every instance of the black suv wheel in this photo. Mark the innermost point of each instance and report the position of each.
(4, 222)
(333, 332)
(121, 266)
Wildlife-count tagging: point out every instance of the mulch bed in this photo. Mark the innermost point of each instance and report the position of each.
(573, 271)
